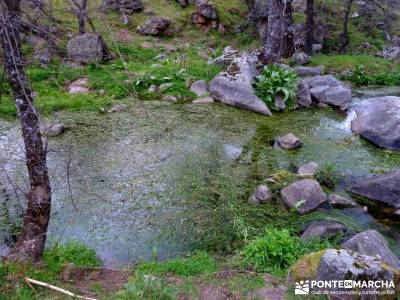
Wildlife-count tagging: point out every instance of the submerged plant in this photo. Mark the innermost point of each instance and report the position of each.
(276, 82)
(327, 175)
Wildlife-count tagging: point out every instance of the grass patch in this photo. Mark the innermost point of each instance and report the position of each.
(342, 63)
(198, 263)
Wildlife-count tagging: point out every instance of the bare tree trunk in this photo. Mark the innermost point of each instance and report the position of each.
(344, 36)
(31, 242)
(309, 27)
(288, 43)
(272, 51)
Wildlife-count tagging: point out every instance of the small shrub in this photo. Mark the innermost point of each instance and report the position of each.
(278, 249)
(360, 77)
(147, 287)
(71, 252)
(327, 175)
(275, 81)
(198, 263)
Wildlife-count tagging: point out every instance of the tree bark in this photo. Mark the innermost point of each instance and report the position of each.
(309, 27)
(288, 42)
(272, 51)
(344, 36)
(30, 243)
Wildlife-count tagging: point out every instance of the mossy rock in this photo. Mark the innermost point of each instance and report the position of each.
(306, 267)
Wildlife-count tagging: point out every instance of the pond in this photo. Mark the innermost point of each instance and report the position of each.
(118, 179)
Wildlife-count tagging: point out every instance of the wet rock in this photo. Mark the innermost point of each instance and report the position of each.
(86, 48)
(79, 86)
(309, 71)
(154, 26)
(303, 196)
(323, 229)
(205, 16)
(300, 58)
(303, 95)
(384, 188)
(338, 201)
(53, 130)
(372, 243)
(261, 194)
(308, 169)
(123, 6)
(234, 87)
(165, 86)
(170, 98)
(117, 108)
(378, 120)
(203, 100)
(288, 142)
(200, 88)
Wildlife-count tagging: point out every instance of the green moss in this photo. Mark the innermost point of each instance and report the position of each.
(306, 267)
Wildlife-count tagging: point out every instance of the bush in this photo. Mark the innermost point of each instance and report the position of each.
(71, 252)
(360, 77)
(278, 249)
(327, 175)
(147, 287)
(275, 81)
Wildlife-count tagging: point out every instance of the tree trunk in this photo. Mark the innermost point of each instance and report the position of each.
(288, 43)
(344, 36)
(31, 242)
(81, 17)
(272, 51)
(309, 27)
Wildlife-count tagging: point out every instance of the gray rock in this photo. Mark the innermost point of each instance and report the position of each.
(79, 86)
(203, 100)
(345, 265)
(205, 16)
(279, 103)
(303, 196)
(338, 96)
(170, 98)
(86, 48)
(316, 92)
(288, 142)
(261, 194)
(323, 80)
(308, 169)
(300, 58)
(384, 188)
(123, 6)
(323, 229)
(338, 201)
(154, 26)
(303, 95)
(309, 71)
(234, 87)
(153, 88)
(392, 53)
(117, 108)
(200, 88)
(53, 130)
(378, 120)
(372, 243)
(230, 54)
(316, 48)
(165, 86)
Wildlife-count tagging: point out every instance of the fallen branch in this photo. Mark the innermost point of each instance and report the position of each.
(52, 287)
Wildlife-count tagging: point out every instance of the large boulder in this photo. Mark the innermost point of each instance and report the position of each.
(343, 265)
(303, 95)
(154, 26)
(300, 58)
(230, 54)
(309, 169)
(384, 188)
(303, 196)
(328, 90)
(392, 53)
(309, 71)
(205, 16)
(86, 48)
(338, 201)
(235, 86)
(372, 243)
(378, 120)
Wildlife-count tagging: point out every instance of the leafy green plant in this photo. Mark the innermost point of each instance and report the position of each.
(327, 175)
(71, 252)
(274, 82)
(198, 263)
(147, 287)
(360, 77)
(277, 249)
